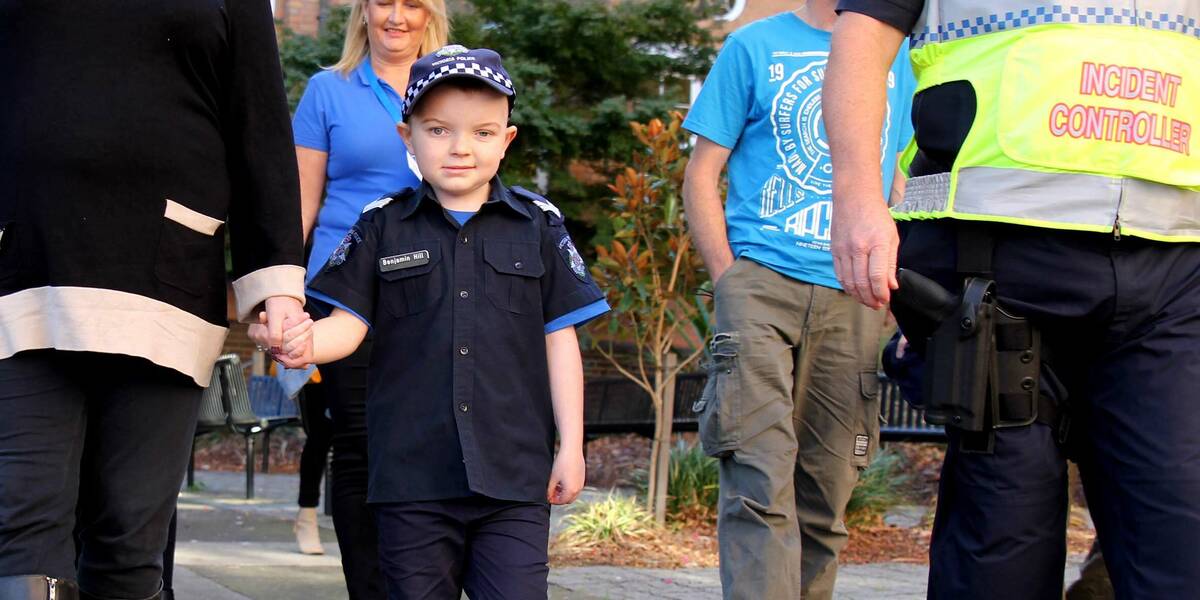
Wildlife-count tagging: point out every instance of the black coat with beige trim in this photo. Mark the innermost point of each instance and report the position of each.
(132, 135)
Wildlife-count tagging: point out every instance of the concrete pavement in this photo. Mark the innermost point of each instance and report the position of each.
(229, 548)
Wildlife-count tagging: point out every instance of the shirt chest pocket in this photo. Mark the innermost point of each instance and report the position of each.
(511, 277)
(410, 277)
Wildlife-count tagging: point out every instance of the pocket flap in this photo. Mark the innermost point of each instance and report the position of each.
(868, 384)
(196, 221)
(514, 258)
(409, 260)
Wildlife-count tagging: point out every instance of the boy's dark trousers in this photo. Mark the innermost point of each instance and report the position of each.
(493, 549)
(110, 432)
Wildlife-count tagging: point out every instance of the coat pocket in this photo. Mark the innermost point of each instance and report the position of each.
(718, 406)
(10, 254)
(190, 255)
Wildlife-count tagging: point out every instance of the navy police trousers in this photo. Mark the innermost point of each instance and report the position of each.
(1121, 321)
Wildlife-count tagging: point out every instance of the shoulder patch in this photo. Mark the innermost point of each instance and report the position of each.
(538, 200)
(571, 256)
(342, 252)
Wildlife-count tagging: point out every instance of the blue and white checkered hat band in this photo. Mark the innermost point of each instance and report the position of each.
(455, 69)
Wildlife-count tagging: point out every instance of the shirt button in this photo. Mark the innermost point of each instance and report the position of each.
(463, 406)
(464, 351)
(518, 265)
(463, 294)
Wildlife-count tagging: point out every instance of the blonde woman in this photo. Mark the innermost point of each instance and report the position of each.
(346, 146)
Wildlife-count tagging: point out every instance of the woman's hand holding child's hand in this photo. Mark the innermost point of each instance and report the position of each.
(297, 351)
(566, 478)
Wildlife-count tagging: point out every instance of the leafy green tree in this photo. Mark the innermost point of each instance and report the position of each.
(651, 274)
(584, 69)
(303, 55)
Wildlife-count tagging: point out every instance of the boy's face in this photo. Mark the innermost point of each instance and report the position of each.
(458, 138)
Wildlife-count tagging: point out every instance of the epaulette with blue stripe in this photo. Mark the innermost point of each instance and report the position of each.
(553, 215)
(387, 199)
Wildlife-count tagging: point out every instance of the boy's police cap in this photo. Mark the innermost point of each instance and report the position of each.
(455, 61)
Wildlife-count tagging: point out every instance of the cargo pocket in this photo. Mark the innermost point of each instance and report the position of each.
(412, 282)
(190, 254)
(717, 407)
(866, 429)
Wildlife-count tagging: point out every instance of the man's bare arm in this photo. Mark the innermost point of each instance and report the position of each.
(702, 203)
(855, 95)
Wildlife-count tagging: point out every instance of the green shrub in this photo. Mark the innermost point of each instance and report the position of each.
(880, 486)
(614, 519)
(692, 482)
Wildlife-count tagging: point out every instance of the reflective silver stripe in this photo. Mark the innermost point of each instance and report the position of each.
(949, 20)
(1160, 210)
(1073, 200)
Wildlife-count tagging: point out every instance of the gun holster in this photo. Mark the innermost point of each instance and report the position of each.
(982, 364)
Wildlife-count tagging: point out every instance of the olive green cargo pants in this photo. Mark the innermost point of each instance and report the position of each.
(791, 408)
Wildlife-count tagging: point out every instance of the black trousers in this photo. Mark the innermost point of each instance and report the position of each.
(492, 549)
(318, 430)
(345, 384)
(1121, 320)
(99, 438)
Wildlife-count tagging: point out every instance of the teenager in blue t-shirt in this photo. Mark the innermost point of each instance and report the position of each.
(792, 404)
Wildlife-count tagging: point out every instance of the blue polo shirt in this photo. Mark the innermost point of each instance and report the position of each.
(342, 117)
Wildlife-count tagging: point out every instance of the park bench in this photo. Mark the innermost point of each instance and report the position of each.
(617, 405)
(259, 407)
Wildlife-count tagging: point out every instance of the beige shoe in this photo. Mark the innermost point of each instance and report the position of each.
(308, 534)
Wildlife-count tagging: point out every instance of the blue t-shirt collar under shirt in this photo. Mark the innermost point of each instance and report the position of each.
(462, 216)
(762, 100)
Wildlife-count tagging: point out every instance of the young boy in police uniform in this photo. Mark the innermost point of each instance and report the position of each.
(473, 290)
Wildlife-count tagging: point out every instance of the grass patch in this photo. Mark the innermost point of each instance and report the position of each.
(616, 519)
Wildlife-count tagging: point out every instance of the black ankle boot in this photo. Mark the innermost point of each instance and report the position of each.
(37, 587)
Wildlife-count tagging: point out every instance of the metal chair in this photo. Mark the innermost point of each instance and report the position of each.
(274, 409)
(242, 419)
(212, 418)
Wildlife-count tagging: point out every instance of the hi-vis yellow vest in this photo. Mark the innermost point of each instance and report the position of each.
(1087, 114)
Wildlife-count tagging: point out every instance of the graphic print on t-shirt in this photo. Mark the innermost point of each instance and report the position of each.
(802, 149)
(762, 101)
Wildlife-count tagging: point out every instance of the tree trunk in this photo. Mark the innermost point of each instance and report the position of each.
(652, 479)
(661, 449)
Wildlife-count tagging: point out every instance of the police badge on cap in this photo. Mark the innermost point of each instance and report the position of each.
(453, 61)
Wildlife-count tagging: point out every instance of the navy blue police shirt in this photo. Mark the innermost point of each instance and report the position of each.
(458, 397)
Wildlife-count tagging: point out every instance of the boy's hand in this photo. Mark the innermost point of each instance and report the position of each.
(297, 349)
(566, 478)
(296, 352)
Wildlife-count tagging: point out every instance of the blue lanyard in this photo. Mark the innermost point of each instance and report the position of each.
(384, 99)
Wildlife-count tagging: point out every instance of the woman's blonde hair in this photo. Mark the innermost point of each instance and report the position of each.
(357, 44)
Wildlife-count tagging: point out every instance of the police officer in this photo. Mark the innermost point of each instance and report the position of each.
(1059, 138)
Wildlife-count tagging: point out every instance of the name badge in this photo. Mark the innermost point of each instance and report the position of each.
(403, 261)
